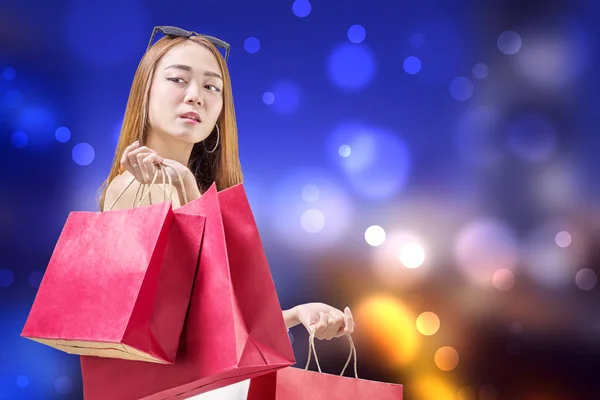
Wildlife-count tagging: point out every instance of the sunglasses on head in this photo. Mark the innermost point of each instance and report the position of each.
(178, 32)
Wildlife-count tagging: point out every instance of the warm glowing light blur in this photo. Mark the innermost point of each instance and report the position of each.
(466, 393)
(446, 358)
(431, 387)
(503, 279)
(428, 323)
(390, 327)
(412, 255)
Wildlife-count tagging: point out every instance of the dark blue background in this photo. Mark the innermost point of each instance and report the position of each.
(480, 167)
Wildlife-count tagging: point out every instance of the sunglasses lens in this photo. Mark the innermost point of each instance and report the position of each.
(173, 31)
(221, 50)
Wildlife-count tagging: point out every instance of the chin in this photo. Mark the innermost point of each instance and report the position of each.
(187, 136)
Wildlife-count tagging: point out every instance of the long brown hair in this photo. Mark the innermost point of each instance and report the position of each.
(223, 165)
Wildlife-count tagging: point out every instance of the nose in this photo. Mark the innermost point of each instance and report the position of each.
(194, 96)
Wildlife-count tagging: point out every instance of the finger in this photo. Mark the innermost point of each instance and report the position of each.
(146, 174)
(348, 321)
(125, 159)
(321, 326)
(147, 167)
(336, 323)
(135, 160)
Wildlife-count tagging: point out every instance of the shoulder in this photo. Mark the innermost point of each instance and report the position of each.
(125, 192)
(118, 192)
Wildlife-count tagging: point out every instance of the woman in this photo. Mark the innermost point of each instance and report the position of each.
(180, 113)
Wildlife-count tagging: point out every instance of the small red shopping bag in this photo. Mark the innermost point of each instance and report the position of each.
(300, 384)
(234, 328)
(118, 284)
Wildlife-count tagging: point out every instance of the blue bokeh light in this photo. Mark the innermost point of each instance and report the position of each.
(22, 381)
(62, 134)
(35, 278)
(301, 8)
(356, 34)
(83, 154)
(252, 45)
(417, 40)
(509, 42)
(379, 165)
(63, 385)
(19, 139)
(351, 67)
(309, 226)
(6, 278)
(461, 89)
(39, 123)
(412, 65)
(9, 73)
(288, 97)
(268, 98)
(480, 71)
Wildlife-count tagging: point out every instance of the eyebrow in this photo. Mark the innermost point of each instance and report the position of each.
(188, 68)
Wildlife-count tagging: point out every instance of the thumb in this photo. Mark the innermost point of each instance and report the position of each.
(349, 319)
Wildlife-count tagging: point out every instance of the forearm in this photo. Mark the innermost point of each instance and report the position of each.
(290, 317)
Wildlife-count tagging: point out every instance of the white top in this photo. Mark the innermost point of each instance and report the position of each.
(237, 391)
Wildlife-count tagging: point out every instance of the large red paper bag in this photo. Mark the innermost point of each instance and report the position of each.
(234, 328)
(118, 284)
(301, 384)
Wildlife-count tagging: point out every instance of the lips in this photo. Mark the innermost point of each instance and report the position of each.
(192, 116)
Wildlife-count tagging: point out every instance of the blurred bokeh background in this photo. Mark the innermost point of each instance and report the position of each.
(432, 164)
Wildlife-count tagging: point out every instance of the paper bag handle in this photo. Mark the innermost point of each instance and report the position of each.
(162, 168)
(312, 350)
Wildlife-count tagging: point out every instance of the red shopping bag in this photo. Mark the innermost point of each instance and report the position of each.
(300, 384)
(234, 328)
(118, 284)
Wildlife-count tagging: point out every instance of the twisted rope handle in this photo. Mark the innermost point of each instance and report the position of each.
(163, 170)
(312, 349)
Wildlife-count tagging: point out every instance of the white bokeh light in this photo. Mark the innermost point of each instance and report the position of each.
(586, 279)
(375, 235)
(345, 150)
(483, 247)
(563, 239)
(412, 255)
(558, 186)
(400, 261)
(310, 193)
(553, 60)
(548, 264)
(308, 210)
(312, 221)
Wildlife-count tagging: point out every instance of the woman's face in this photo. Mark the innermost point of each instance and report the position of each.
(186, 97)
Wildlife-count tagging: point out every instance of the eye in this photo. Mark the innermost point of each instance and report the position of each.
(213, 88)
(176, 80)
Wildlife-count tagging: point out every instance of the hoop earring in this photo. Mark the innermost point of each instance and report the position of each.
(217, 143)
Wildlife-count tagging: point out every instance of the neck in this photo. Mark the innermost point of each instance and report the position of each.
(168, 147)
